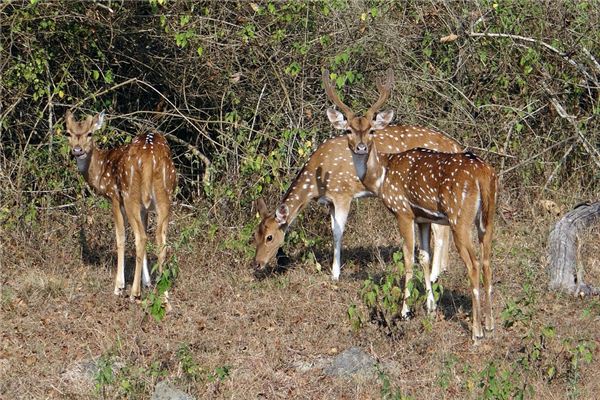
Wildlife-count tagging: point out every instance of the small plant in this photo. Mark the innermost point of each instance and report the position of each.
(522, 309)
(220, 374)
(445, 376)
(155, 301)
(104, 375)
(383, 298)
(387, 391)
(498, 384)
(194, 372)
(190, 368)
(580, 353)
(355, 317)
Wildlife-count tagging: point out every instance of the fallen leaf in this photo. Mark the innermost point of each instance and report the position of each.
(450, 38)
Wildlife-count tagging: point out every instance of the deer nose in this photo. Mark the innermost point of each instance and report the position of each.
(361, 148)
(77, 151)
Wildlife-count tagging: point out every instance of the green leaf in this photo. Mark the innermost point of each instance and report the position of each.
(108, 76)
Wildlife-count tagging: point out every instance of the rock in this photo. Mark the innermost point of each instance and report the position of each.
(350, 362)
(81, 375)
(165, 391)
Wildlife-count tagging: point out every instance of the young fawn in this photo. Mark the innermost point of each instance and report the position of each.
(136, 178)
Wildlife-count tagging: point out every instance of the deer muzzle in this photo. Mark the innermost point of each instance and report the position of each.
(78, 152)
(361, 148)
(257, 265)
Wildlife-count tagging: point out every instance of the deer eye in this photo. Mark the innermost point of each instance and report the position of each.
(269, 238)
(89, 134)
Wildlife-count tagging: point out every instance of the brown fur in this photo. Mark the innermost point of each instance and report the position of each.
(136, 178)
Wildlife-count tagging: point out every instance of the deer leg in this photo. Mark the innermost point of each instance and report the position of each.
(485, 238)
(120, 236)
(407, 231)
(163, 208)
(145, 272)
(424, 260)
(464, 245)
(441, 247)
(339, 215)
(135, 220)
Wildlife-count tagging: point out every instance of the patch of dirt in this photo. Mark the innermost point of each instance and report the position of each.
(233, 335)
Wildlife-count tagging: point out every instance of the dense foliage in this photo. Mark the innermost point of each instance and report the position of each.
(240, 82)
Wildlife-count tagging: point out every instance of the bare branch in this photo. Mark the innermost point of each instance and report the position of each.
(553, 49)
(592, 151)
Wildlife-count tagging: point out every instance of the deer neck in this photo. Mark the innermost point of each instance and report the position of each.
(300, 193)
(371, 169)
(91, 167)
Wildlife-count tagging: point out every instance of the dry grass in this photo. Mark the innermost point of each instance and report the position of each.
(59, 316)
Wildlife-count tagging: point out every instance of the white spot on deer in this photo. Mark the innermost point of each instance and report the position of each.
(464, 192)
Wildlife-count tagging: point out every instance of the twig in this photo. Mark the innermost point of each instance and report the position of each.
(553, 49)
(262, 92)
(562, 160)
(206, 176)
(572, 120)
(527, 161)
(591, 56)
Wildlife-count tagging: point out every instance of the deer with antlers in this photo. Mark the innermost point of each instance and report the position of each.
(329, 176)
(135, 178)
(421, 187)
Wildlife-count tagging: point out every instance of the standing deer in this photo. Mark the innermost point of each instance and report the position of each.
(135, 178)
(329, 176)
(421, 186)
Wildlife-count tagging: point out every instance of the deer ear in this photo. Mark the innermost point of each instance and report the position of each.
(69, 117)
(261, 207)
(337, 119)
(98, 121)
(382, 120)
(282, 214)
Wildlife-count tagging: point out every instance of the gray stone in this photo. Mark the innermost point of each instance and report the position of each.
(165, 391)
(350, 362)
(82, 374)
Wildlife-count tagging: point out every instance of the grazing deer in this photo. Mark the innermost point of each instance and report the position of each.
(329, 176)
(135, 178)
(421, 186)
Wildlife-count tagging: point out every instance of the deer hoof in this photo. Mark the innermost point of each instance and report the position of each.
(135, 299)
(477, 336)
(406, 316)
(118, 291)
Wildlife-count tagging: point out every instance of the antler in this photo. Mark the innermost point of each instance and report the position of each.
(385, 88)
(330, 90)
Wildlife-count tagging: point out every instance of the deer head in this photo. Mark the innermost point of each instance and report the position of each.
(270, 233)
(80, 133)
(360, 128)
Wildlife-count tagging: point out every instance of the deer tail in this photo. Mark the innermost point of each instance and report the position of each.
(487, 191)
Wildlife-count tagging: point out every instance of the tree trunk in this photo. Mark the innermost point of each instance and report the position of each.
(563, 270)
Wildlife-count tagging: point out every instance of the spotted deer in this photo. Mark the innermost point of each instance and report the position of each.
(135, 178)
(420, 187)
(329, 176)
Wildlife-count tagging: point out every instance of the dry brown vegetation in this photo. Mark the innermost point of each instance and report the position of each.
(59, 314)
(241, 85)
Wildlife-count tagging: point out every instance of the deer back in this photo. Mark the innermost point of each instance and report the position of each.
(436, 184)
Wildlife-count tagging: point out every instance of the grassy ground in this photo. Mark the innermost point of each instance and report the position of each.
(235, 335)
